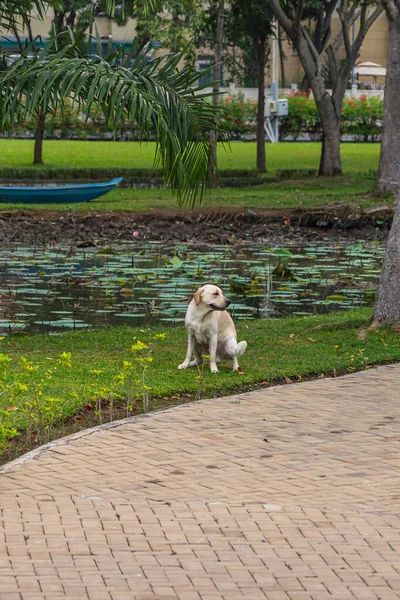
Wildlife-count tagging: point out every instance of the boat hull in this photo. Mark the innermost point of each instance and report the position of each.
(59, 194)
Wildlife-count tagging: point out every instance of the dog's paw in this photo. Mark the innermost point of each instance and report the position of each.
(241, 348)
(183, 366)
(214, 369)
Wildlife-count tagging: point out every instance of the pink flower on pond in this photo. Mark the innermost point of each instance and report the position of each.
(136, 234)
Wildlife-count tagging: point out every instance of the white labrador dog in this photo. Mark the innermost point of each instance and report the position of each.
(211, 330)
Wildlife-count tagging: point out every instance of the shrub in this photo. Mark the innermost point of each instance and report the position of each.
(302, 118)
(71, 123)
(362, 117)
(240, 114)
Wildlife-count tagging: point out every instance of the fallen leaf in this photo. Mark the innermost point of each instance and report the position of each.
(12, 408)
(288, 380)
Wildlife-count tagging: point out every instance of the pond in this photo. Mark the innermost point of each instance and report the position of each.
(54, 289)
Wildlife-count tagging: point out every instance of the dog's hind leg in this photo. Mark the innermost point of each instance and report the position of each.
(233, 350)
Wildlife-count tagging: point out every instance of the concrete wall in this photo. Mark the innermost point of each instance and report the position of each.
(374, 49)
(252, 93)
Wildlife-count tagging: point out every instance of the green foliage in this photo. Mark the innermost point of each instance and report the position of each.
(173, 24)
(24, 390)
(361, 117)
(303, 117)
(239, 114)
(151, 95)
(27, 402)
(70, 122)
(247, 26)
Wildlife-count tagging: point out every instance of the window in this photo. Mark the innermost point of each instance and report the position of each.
(203, 63)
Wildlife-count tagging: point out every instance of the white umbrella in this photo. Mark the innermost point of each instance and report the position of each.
(370, 69)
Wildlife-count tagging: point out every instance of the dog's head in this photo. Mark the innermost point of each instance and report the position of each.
(212, 296)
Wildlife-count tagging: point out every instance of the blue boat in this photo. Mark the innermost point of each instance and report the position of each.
(56, 194)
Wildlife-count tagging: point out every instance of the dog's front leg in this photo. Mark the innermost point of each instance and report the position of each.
(189, 352)
(213, 354)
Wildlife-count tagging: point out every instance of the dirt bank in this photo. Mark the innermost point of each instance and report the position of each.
(204, 225)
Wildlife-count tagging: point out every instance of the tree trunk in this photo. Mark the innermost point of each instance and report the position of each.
(389, 163)
(39, 135)
(281, 57)
(305, 85)
(216, 88)
(309, 54)
(261, 160)
(387, 305)
(330, 162)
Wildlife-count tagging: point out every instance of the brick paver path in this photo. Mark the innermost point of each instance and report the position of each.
(286, 493)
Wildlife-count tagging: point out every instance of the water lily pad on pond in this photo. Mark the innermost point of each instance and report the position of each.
(142, 281)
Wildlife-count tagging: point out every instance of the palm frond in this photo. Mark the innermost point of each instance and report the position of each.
(152, 95)
(16, 14)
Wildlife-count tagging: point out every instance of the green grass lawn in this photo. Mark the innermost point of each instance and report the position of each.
(279, 195)
(359, 161)
(357, 158)
(289, 348)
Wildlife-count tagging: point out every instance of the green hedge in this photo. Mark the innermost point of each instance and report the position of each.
(70, 122)
(132, 177)
(240, 115)
(361, 117)
(44, 172)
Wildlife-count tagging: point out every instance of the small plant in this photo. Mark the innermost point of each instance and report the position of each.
(29, 403)
(130, 382)
(200, 376)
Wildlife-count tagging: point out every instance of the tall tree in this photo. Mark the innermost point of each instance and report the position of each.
(257, 22)
(171, 23)
(217, 84)
(16, 20)
(319, 16)
(387, 305)
(290, 14)
(73, 16)
(245, 46)
(389, 163)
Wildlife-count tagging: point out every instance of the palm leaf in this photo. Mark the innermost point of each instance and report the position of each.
(151, 95)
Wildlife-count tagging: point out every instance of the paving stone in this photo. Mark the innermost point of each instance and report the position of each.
(291, 494)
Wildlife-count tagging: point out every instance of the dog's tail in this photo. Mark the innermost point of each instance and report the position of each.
(241, 348)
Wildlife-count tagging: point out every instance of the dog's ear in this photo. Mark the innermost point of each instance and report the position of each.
(197, 296)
